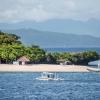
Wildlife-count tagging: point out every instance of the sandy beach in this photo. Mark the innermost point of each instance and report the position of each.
(44, 67)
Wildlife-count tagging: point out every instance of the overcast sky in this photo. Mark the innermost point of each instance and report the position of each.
(78, 16)
(42, 10)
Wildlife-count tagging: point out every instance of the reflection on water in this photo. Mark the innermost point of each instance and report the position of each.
(23, 86)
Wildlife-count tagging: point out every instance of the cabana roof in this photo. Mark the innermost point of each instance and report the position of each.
(23, 59)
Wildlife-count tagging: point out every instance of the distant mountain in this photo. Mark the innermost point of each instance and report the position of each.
(90, 27)
(55, 39)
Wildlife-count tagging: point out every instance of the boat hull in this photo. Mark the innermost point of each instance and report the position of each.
(51, 79)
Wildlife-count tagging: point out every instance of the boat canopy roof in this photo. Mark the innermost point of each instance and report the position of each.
(95, 63)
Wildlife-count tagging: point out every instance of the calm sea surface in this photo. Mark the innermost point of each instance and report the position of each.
(24, 86)
(72, 49)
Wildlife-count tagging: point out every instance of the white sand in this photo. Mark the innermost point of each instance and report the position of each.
(43, 67)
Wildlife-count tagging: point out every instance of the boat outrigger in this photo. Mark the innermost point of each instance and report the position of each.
(49, 76)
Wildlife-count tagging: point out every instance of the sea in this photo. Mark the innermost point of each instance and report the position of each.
(75, 86)
(72, 49)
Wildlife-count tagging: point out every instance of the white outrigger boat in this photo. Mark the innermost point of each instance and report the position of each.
(49, 76)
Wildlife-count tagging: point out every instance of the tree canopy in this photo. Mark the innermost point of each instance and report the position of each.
(6, 38)
(81, 58)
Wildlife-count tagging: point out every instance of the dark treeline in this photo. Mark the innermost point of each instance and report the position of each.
(81, 58)
(11, 49)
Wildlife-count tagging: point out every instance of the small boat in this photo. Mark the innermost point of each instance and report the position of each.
(48, 76)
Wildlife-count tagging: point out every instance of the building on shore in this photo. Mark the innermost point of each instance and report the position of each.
(22, 60)
(64, 62)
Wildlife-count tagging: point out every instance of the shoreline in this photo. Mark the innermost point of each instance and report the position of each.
(44, 68)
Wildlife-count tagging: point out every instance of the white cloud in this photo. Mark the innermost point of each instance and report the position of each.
(41, 10)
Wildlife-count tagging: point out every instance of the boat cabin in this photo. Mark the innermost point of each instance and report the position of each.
(48, 76)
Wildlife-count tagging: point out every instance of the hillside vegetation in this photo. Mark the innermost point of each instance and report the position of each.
(11, 48)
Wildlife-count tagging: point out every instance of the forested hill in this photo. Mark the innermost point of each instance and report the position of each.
(55, 39)
(11, 49)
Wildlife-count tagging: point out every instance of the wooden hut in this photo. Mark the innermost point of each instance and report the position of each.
(22, 60)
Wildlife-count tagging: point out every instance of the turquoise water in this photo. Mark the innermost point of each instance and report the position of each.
(97, 49)
(24, 86)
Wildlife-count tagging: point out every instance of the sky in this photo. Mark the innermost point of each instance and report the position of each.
(40, 11)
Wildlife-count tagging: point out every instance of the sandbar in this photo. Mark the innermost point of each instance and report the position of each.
(44, 68)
